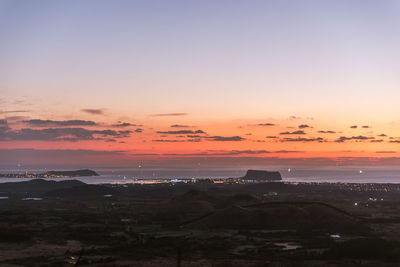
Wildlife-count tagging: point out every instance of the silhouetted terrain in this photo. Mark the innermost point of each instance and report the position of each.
(52, 174)
(69, 223)
(38, 186)
(262, 175)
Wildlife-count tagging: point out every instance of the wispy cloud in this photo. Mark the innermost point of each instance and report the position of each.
(168, 114)
(13, 111)
(222, 153)
(181, 132)
(263, 124)
(359, 138)
(288, 151)
(123, 124)
(295, 132)
(16, 118)
(225, 138)
(49, 123)
(299, 139)
(179, 126)
(327, 132)
(61, 134)
(93, 111)
(167, 140)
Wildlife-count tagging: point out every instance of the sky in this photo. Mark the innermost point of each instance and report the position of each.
(221, 84)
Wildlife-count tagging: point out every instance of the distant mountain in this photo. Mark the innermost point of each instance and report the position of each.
(262, 175)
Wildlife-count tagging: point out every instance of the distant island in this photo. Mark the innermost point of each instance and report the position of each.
(256, 175)
(52, 174)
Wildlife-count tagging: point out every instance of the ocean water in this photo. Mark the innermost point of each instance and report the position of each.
(123, 176)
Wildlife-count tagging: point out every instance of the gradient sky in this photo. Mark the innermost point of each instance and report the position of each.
(263, 82)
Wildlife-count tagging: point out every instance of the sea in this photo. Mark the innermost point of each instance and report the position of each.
(127, 176)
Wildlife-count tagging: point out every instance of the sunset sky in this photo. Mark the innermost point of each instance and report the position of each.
(226, 84)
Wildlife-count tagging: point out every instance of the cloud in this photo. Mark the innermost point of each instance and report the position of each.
(295, 132)
(93, 111)
(327, 132)
(302, 126)
(225, 138)
(194, 136)
(3, 122)
(353, 126)
(3, 129)
(198, 138)
(61, 134)
(376, 141)
(181, 132)
(299, 139)
(139, 130)
(366, 126)
(288, 151)
(394, 141)
(123, 124)
(271, 137)
(168, 114)
(22, 102)
(342, 139)
(382, 135)
(49, 123)
(194, 140)
(360, 138)
(13, 111)
(179, 126)
(167, 140)
(263, 124)
(222, 153)
(16, 118)
(386, 152)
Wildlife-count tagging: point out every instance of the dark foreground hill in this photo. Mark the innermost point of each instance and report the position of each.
(245, 211)
(37, 186)
(83, 192)
(301, 216)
